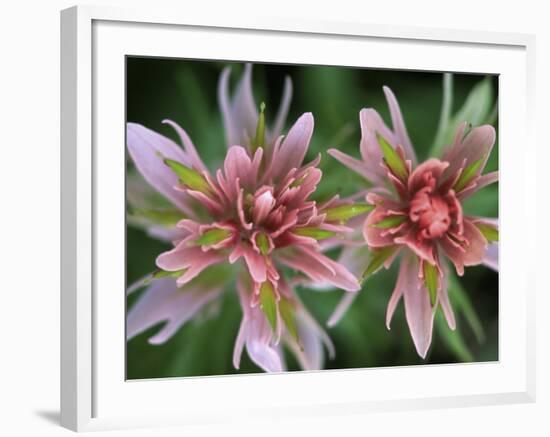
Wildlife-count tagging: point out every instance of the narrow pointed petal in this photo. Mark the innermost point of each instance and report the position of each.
(255, 262)
(239, 344)
(443, 296)
(399, 125)
(293, 148)
(418, 309)
(163, 301)
(193, 259)
(240, 114)
(320, 268)
(147, 149)
(282, 113)
(397, 293)
(256, 334)
(341, 309)
(189, 147)
(353, 164)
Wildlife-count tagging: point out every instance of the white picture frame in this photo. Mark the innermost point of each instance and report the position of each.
(93, 393)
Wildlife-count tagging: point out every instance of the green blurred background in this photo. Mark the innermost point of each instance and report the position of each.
(186, 92)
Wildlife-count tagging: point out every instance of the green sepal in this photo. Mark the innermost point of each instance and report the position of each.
(390, 222)
(490, 232)
(300, 180)
(345, 212)
(287, 315)
(467, 175)
(212, 236)
(259, 138)
(316, 233)
(189, 177)
(163, 217)
(159, 274)
(268, 304)
(392, 159)
(377, 260)
(263, 243)
(431, 280)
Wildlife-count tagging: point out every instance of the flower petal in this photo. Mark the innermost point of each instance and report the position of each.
(240, 114)
(163, 301)
(399, 125)
(257, 335)
(443, 296)
(353, 164)
(189, 147)
(282, 113)
(490, 259)
(418, 309)
(147, 149)
(193, 259)
(397, 293)
(291, 152)
(477, 144)
(320, 268)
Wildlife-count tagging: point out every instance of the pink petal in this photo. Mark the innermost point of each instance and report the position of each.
(490, 259)
(371, 124)
(353, 164)
(418, 309)
(475, 145)
(320, 268)
(376, 237)
(282, 113)
(238, 165)
(472, 253)
(256, 263)
(398, 291)
(163, 301)
(433, 166)
(399, 125)
(311, 354)
(256, 334)
(291, 152)
(355, 259)
(189, 147)
(341, 309)
(193, 259)
(147, 149)
(240, 114)
(443, 298)
(263, 204)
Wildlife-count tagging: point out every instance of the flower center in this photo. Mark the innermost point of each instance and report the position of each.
(431, 213)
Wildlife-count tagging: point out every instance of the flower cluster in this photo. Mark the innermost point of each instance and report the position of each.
(257, 220)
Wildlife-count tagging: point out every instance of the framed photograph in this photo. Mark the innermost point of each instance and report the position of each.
(278, 219)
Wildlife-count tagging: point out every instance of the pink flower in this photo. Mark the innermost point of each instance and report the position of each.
(256, 210)
(418, 215)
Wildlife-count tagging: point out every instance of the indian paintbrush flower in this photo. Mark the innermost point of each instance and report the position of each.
(418, 216)
(254, 212)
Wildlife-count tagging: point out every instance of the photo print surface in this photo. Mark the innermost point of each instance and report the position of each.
(299, 217)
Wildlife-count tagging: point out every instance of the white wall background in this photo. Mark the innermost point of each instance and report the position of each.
(29, 215)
